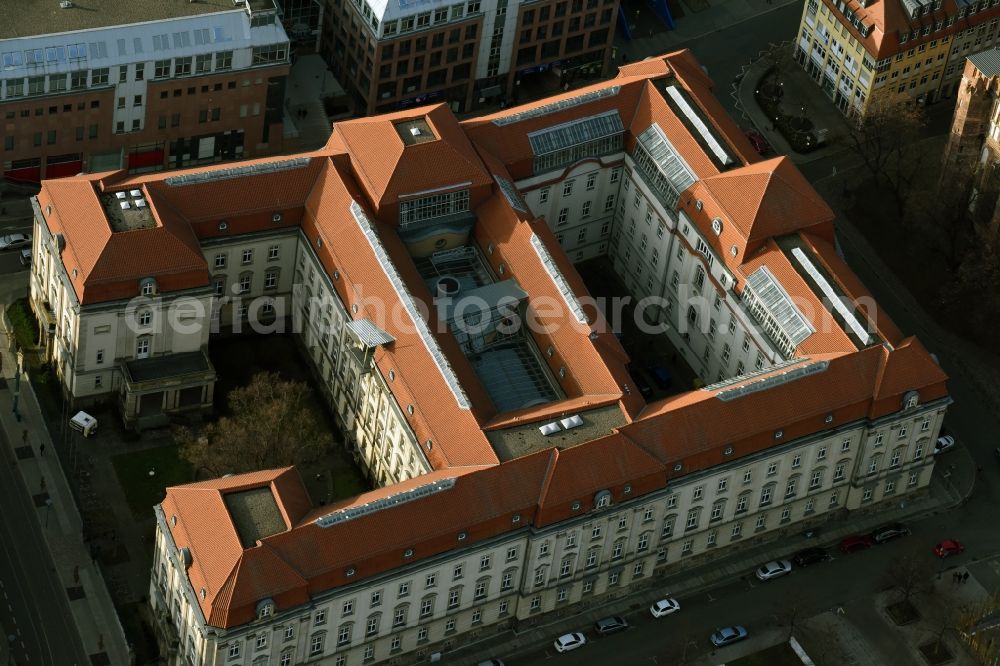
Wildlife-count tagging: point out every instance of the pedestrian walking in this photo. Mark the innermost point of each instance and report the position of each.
(24, 436)
(955, 577)
(965, 577)
(41, 450)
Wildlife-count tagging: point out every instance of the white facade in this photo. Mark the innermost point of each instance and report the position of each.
(439, 604)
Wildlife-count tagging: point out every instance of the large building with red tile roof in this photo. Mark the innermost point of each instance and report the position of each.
(427, 267)
(856, 49)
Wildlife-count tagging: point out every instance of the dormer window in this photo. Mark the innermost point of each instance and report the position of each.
(265, 608)
(147, 286)
(602, 500)
(911, 399)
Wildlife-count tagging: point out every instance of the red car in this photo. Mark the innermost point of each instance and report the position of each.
(760, 144)
(948, 547)
(853, 544)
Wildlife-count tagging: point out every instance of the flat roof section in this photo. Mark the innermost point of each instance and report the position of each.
(415, 131)
(522, 440)
(42, 17)
(255, 514)
(127, 210)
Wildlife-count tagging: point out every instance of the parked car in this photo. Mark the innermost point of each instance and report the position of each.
(853, 544)
(568, 642)
(758, 141)
(664, 607)
(14, 241)
(949, 547)
(640, 383)
(804, 558)
(661, 376)
(773, 569)
(944, 444)
(728, 635)
(889, 532)
(26, 256)
(491, 662)
(610, 625)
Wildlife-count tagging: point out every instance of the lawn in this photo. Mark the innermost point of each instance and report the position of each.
(348, 482)
(778, 655)
(142, 490)
(23, 321)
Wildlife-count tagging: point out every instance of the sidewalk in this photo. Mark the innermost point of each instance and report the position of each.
(93, 612)
(705, 573)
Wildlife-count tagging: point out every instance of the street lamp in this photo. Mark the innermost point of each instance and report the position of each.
(17, 383)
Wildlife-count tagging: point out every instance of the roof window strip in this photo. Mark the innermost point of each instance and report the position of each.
(567, 135)
(772, 296)
(559, 279)
(424, 490)
(554, 107)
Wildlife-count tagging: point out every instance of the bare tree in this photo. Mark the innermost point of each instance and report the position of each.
(908, 575)
(272, 425)
(885, 137)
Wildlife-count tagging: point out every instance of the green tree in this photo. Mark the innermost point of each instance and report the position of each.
(271, 425)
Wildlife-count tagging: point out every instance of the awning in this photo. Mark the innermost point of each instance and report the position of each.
(368, 333)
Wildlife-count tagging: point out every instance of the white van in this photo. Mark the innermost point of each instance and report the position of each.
(84, 423)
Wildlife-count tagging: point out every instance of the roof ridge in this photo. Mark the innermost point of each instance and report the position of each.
(549, 473)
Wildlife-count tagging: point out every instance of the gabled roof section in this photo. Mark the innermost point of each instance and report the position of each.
(387, 168)
(763, 200)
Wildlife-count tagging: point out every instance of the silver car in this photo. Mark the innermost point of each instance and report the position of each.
(773, 569)
(728, 635)
(14, 241)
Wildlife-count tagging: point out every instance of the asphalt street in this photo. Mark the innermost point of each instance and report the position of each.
(34, 608)
(846, 581)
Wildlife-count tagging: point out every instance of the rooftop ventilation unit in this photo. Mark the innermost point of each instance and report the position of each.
(66, 4)
(140, 203)
(124, 205)
(549, 429)
(136, 193)
(571, 422)
(415, 131)
(121, 195)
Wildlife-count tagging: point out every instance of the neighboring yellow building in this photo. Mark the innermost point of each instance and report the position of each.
(853, 49)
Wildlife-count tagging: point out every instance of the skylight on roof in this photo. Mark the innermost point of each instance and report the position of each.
(562, 104)
(694, 117)
(772, 296)
(511, 194)
(832, 296)
(411, 307)
(560, 280)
